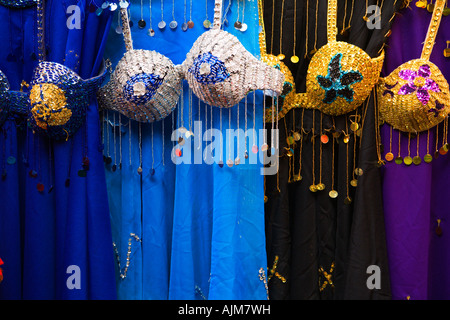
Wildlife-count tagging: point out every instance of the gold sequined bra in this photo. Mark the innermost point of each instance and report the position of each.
(145, 86)
(340, 76)
(415, 97)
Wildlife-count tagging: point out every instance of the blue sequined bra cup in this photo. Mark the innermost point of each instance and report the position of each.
(56, 102)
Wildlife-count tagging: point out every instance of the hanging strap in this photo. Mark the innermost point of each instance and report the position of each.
(433, 29)
(40, 9)
(262, 34)
(217, 14)
(126, 29)
(331, 20)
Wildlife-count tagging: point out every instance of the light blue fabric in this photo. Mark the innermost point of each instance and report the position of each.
(201, 226)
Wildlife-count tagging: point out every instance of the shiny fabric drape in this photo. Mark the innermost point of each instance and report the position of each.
(42, 234)
(309, 231)
(415, 196)
(198, 229)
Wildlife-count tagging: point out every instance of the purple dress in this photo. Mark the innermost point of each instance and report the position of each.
(415, 197)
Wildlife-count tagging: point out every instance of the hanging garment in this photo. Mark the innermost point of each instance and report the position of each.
(324, 214)
(55, 234)
(191, 229)
(416, 217)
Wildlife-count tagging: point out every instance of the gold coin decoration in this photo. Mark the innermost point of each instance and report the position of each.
(399, 160)
(313, 188)
(354, 126)
(333, 194)
(389, 156)
(428, 158)
(295, 59)
(320, 187)
(417, 160)
(359, 171)
(408, 160)
(354, 183)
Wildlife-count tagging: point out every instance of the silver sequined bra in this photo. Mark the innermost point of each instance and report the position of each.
(56, 103)
(145, 86)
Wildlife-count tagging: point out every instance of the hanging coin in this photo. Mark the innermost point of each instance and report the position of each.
(139, 170)
(389, 156)
(446, 11)
(178, 152)
(354, 126)
(408, 160)
(359, 172)
(207, 24)
(296, 136)
(324, 139)
(288, 152)
(264, 147)
(184, 26)
(237, 161)
(417, 160)
(430, 7)
(238, 25)
(333, 194)
(320, 187)
(255, 149)
(281, 56)
(354, 183)
(428, 158)
(141, 24)
(346, 138)
(181, 141)
(298, 177)
(161, 25)
(290, 140)
(11, 160)
(399, 160)
(119, 29)
(295, 59)
(313, 188)
(220, 163)
(113, 7)
(40, 187)
(151, 32)
(230, 163)
(190, 24)
(173, 24)
(244, 27)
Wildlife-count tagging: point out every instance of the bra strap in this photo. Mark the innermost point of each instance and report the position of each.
(262, 34)
(126, 29)
(331, 20)
(217, 23)
(433, 29)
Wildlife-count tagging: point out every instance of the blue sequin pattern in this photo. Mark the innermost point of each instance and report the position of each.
(18, 3)
(208, 69)
(151, 82)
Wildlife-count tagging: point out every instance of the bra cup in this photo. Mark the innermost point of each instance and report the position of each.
(221, 72)
(58, 101)
(414, 97)
(145, 86)
(340, 77)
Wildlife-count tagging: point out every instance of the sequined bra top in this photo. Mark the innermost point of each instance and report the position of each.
(146, 85)
(415, 97)
(58, 98)
(340, 75)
